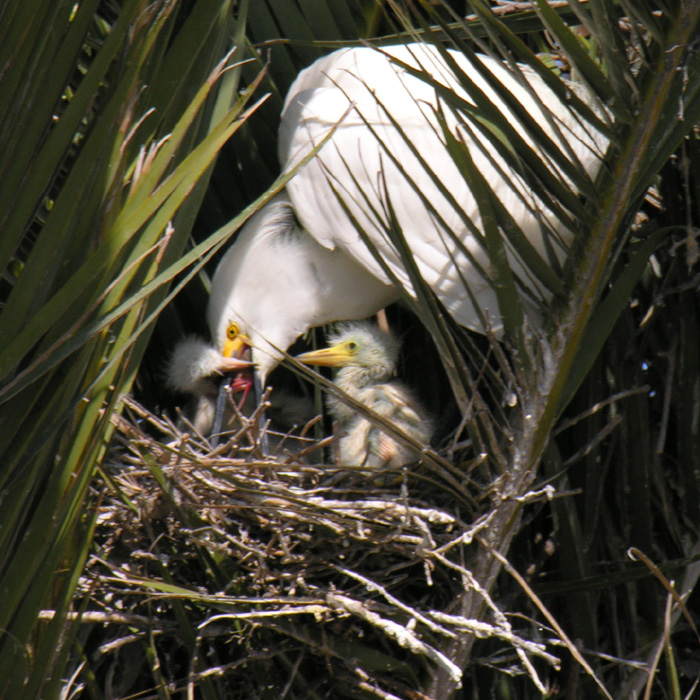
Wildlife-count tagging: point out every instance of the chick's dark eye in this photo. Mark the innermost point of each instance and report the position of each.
(352, 346)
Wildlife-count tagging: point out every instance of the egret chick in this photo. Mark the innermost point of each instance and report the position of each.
(366, 357)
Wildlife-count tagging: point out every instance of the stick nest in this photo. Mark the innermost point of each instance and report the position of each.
(226, 568)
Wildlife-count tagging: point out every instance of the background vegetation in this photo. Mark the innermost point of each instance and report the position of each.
(111, 561)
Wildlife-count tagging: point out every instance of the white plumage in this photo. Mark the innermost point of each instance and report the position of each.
(276, 282)
(300, 261)
(366, 357)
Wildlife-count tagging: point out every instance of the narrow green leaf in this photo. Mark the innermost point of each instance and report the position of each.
(602, 322)
(585, 66)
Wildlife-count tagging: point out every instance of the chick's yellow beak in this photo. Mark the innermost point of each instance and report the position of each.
(335, 356)
(229, 364)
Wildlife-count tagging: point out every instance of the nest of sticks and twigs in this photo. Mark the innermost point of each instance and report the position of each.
(233, 570)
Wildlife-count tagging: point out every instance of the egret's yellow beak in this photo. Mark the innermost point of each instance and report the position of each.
(235, 347)
(335, 356)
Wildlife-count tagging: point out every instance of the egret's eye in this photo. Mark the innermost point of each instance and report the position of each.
(232, 331)
(351, 346)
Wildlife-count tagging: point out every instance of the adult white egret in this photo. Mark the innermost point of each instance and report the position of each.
(366, 357)
(300, 262)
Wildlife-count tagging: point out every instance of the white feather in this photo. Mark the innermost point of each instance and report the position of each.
(300, 262)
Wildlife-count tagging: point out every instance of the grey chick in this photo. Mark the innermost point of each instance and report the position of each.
(366, 357)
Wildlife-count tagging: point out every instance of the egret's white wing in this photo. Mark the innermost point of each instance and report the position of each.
(368, 83)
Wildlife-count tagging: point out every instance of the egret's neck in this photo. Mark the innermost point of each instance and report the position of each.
(311, 286)
(277, 282)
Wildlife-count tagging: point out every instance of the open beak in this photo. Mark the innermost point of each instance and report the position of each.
(239, 380)
(335, 356)
(242, 380)
(236, 347)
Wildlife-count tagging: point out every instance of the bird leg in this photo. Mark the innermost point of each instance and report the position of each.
(216, 426)
(257, 386)
(238, 383)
